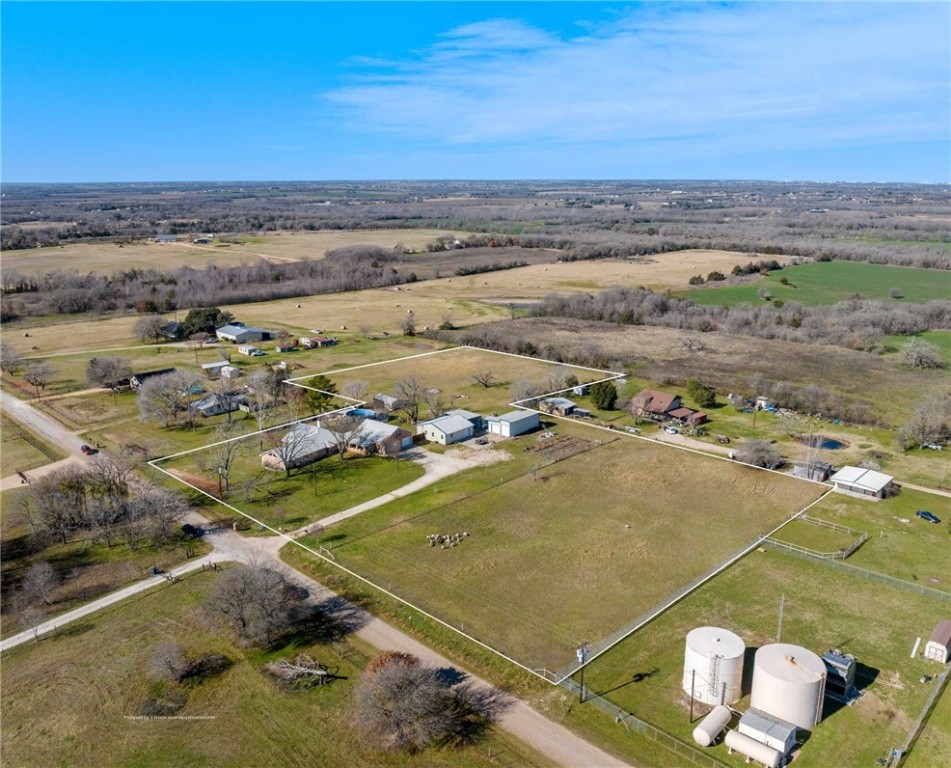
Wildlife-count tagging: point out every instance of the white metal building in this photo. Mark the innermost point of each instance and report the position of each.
(866, 482)
(446, 430)
(241, 334)
(766, 729)
(938, 646)
(512, 423)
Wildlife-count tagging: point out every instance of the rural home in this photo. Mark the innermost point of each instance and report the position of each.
(689, 416)
(249, 349)
(938, 646)
(314, 342)
(302, 445)
(512, 423)
(650, 403)
(446, 430)
(171, 331)
(215, 405)
(478, 423)
(865, 482)
(558, 405)
(376, 437)
(389, 402)
(237, 333)
(138, 379)
(213, 370)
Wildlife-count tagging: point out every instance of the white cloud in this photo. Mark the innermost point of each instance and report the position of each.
(702, 77)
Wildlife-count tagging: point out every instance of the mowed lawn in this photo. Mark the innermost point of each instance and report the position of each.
(571, 551)
(71, 700)
(451, 372)
(824, 608)
(830, 282)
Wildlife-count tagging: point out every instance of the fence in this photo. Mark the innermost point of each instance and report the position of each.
(926, 711)
(863, 573)
(824, 523)
(841, 554)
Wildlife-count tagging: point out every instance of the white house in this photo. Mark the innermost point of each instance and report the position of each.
(512, 423)
(938, 646)
(475, 418)
(865, 482)
(242, 334)
(447, 429)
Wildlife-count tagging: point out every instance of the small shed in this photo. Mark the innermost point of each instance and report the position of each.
(559, 405)
(389, 402)
(230, 372)
(769, 730)
(815, 470)
(213, 370)
(865, 482)
(938, 646)
(513, 423)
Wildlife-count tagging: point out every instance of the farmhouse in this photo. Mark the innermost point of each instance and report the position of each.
(938, 646)
(865, 482)
(238, 333)
(653, 404)
(313, 342)
(389, 402)
(476, 419)
(138, 379)
(215, 405)
(512, 423)
(559, 405)
(688, 416)
(302, 445)
(377, 437)
(446, 430)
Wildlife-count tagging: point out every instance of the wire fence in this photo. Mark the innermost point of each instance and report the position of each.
(863, 573)
(926, 711)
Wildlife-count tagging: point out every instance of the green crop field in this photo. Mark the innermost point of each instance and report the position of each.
(559, 552)
(824, 608)
(73, 699)
(829, 282)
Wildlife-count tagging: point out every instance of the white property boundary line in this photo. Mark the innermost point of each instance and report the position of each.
(612, 376)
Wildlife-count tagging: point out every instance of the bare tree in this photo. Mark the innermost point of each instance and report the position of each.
(168, 662)
(31, 617)
(149, 328)
(59, 501)
(219, 459)
(254, 602)
(108, 372)
(436, 405)
(356, 389)
(39, 374)
(919, 353)
(408, 324)
(759, 453)
(929, 423)
(162, 398)
(410, 393)
(38, 584)
(304, 672)
(10, 360)
(162, 509)
(485, 377)
(344, 428)
(402, 705)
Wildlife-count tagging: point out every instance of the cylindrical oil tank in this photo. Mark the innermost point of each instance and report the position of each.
(713, 665)
(712, 725)
(743, 744)
(789, 682)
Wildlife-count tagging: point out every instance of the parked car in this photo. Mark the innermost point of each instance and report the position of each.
(931, 446)
(671, 430)
(924, 514)
(88, 450)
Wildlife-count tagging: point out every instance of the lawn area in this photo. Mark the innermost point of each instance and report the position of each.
(64, 704)
(546, 538)
(86, 570)
(824, 608)
(452, 370)
(22, 450)
(310, 493)
(833, 281)
(941, 339)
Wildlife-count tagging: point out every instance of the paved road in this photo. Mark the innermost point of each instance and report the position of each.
(39, 422)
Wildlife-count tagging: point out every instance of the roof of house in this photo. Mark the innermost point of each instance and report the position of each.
(561, 402)
(305, 439)
(450, 423)
(515, 416)
(373, 431)
(681, 413)
(468, 415)
(216, 364)
(763, 723)
(867, 479)
(942, 633)
(652, 400)
(234, 329)
(141, 375)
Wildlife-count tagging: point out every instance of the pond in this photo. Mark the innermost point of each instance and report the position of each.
(823, 442)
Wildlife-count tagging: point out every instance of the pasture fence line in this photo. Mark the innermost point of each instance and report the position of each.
(634, 724)
(27, 438)
(926, 711)
(840, 554)
(824, 523)
(863, 573)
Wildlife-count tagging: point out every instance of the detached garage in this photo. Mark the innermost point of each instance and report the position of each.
(513, 423)
(446, 430)
(865, 482)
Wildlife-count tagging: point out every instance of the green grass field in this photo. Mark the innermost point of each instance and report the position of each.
(68, 700)
(544, 543)
(22, 450)
(941, 339)
(829, 282)
(823, 609)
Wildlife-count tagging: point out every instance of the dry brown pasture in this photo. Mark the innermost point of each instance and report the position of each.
(279, 246)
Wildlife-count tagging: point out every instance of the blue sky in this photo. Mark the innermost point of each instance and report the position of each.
(136, 91)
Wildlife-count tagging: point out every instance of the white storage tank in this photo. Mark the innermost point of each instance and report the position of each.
(712, 725)
(736, 741)
(789, 683)
(713, 665)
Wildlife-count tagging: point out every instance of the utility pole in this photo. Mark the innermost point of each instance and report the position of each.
(582, 652)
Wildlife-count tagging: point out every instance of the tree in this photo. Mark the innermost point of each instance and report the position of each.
(149, 328)
(58, 501)
(219, 458)
(344, 428)
(402, 705)
(919, 353)
(160, 398)
(408, 325)
(703, 395)
(253, 601)
(10, 360)
(930, 422)
(436, 405)
(320, 392)
(759, 453)
(206, 319)
(485, 377)
(604, 395)
(168, 662)
(197, 341)
(896, 293)
(410, 393)
(108, 372)
(39, 374)
(38, 584)
(356, 390)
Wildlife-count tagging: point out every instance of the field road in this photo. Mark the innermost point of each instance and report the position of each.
(39, 422)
